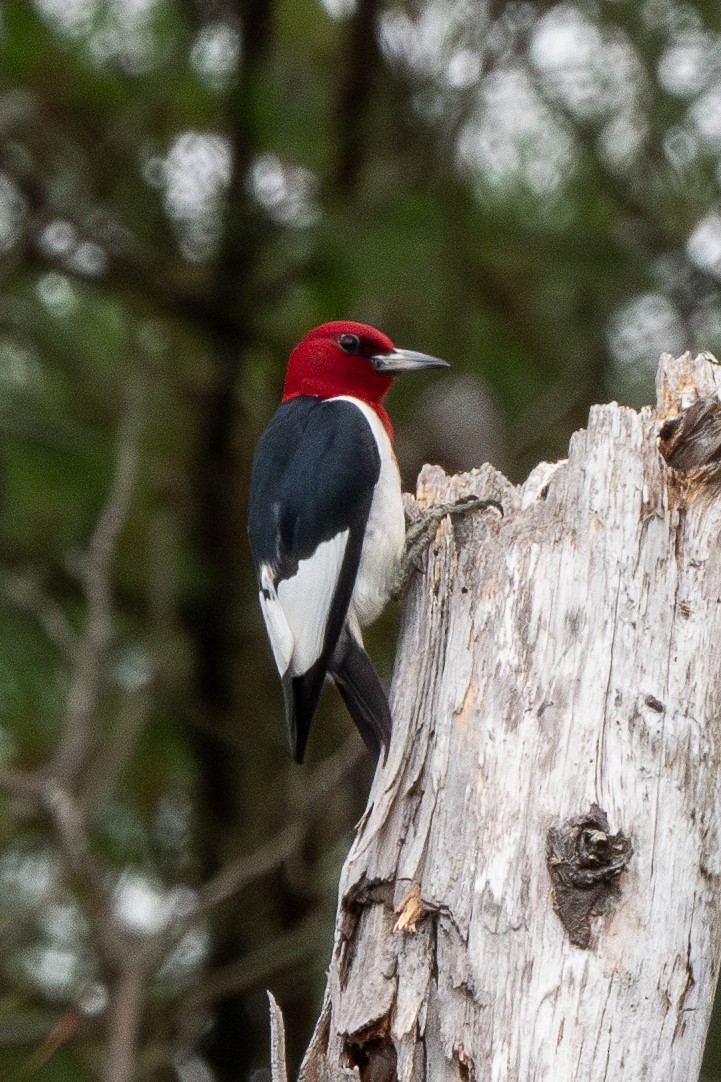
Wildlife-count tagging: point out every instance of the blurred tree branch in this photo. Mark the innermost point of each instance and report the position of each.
(124, 1024)
(323, 782)
(26, 593)
(88, 673)
(113, 758)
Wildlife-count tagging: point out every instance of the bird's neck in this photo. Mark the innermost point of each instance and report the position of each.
(374, 405)
(385, 419)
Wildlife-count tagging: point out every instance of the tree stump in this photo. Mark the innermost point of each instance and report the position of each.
(534, 891)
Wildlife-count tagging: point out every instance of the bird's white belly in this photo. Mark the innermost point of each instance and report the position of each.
(385, 532)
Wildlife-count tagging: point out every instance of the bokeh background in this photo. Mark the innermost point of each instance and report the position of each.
(531, 190)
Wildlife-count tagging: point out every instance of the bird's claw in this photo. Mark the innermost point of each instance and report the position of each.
(422, 529)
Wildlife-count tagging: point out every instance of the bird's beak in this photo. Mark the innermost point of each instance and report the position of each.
(395, 361)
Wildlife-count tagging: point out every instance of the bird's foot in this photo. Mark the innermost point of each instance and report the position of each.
(424, 526)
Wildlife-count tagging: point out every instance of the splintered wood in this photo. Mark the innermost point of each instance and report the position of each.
(534, 894)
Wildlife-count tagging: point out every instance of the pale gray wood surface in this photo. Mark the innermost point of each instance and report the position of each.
(534, 891)
(278, 1070)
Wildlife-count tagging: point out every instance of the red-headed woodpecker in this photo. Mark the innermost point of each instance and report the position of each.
(326, 521)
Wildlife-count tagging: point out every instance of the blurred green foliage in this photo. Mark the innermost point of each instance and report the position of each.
(186, 186)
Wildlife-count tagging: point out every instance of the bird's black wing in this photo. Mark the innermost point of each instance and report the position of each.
(314, 472)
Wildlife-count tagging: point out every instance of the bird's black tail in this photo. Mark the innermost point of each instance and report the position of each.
(358, 683)
(301, 694)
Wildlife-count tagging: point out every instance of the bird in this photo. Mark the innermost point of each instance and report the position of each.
(326, 522)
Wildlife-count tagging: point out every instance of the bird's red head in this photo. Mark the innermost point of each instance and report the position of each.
(345, 358)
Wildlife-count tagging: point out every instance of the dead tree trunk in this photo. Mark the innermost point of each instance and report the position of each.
(534, 892)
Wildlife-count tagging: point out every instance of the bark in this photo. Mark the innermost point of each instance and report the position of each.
(534, 890)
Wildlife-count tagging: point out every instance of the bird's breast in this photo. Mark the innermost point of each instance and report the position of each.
(385, 532)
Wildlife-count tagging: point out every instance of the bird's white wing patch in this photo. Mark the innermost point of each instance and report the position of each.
(306, 598)
(277, 626)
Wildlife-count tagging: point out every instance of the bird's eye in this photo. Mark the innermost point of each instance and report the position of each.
(349, 343)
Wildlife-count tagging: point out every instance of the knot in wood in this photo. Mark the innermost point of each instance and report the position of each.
(585, 861)
(599, 856)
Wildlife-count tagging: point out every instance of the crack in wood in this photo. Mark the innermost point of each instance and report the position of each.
(692, 440)
(363, 894)
(373, 1052)
(410, 910)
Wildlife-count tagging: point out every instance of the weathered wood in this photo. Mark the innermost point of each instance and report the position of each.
(278, 1069)
(534, 892)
